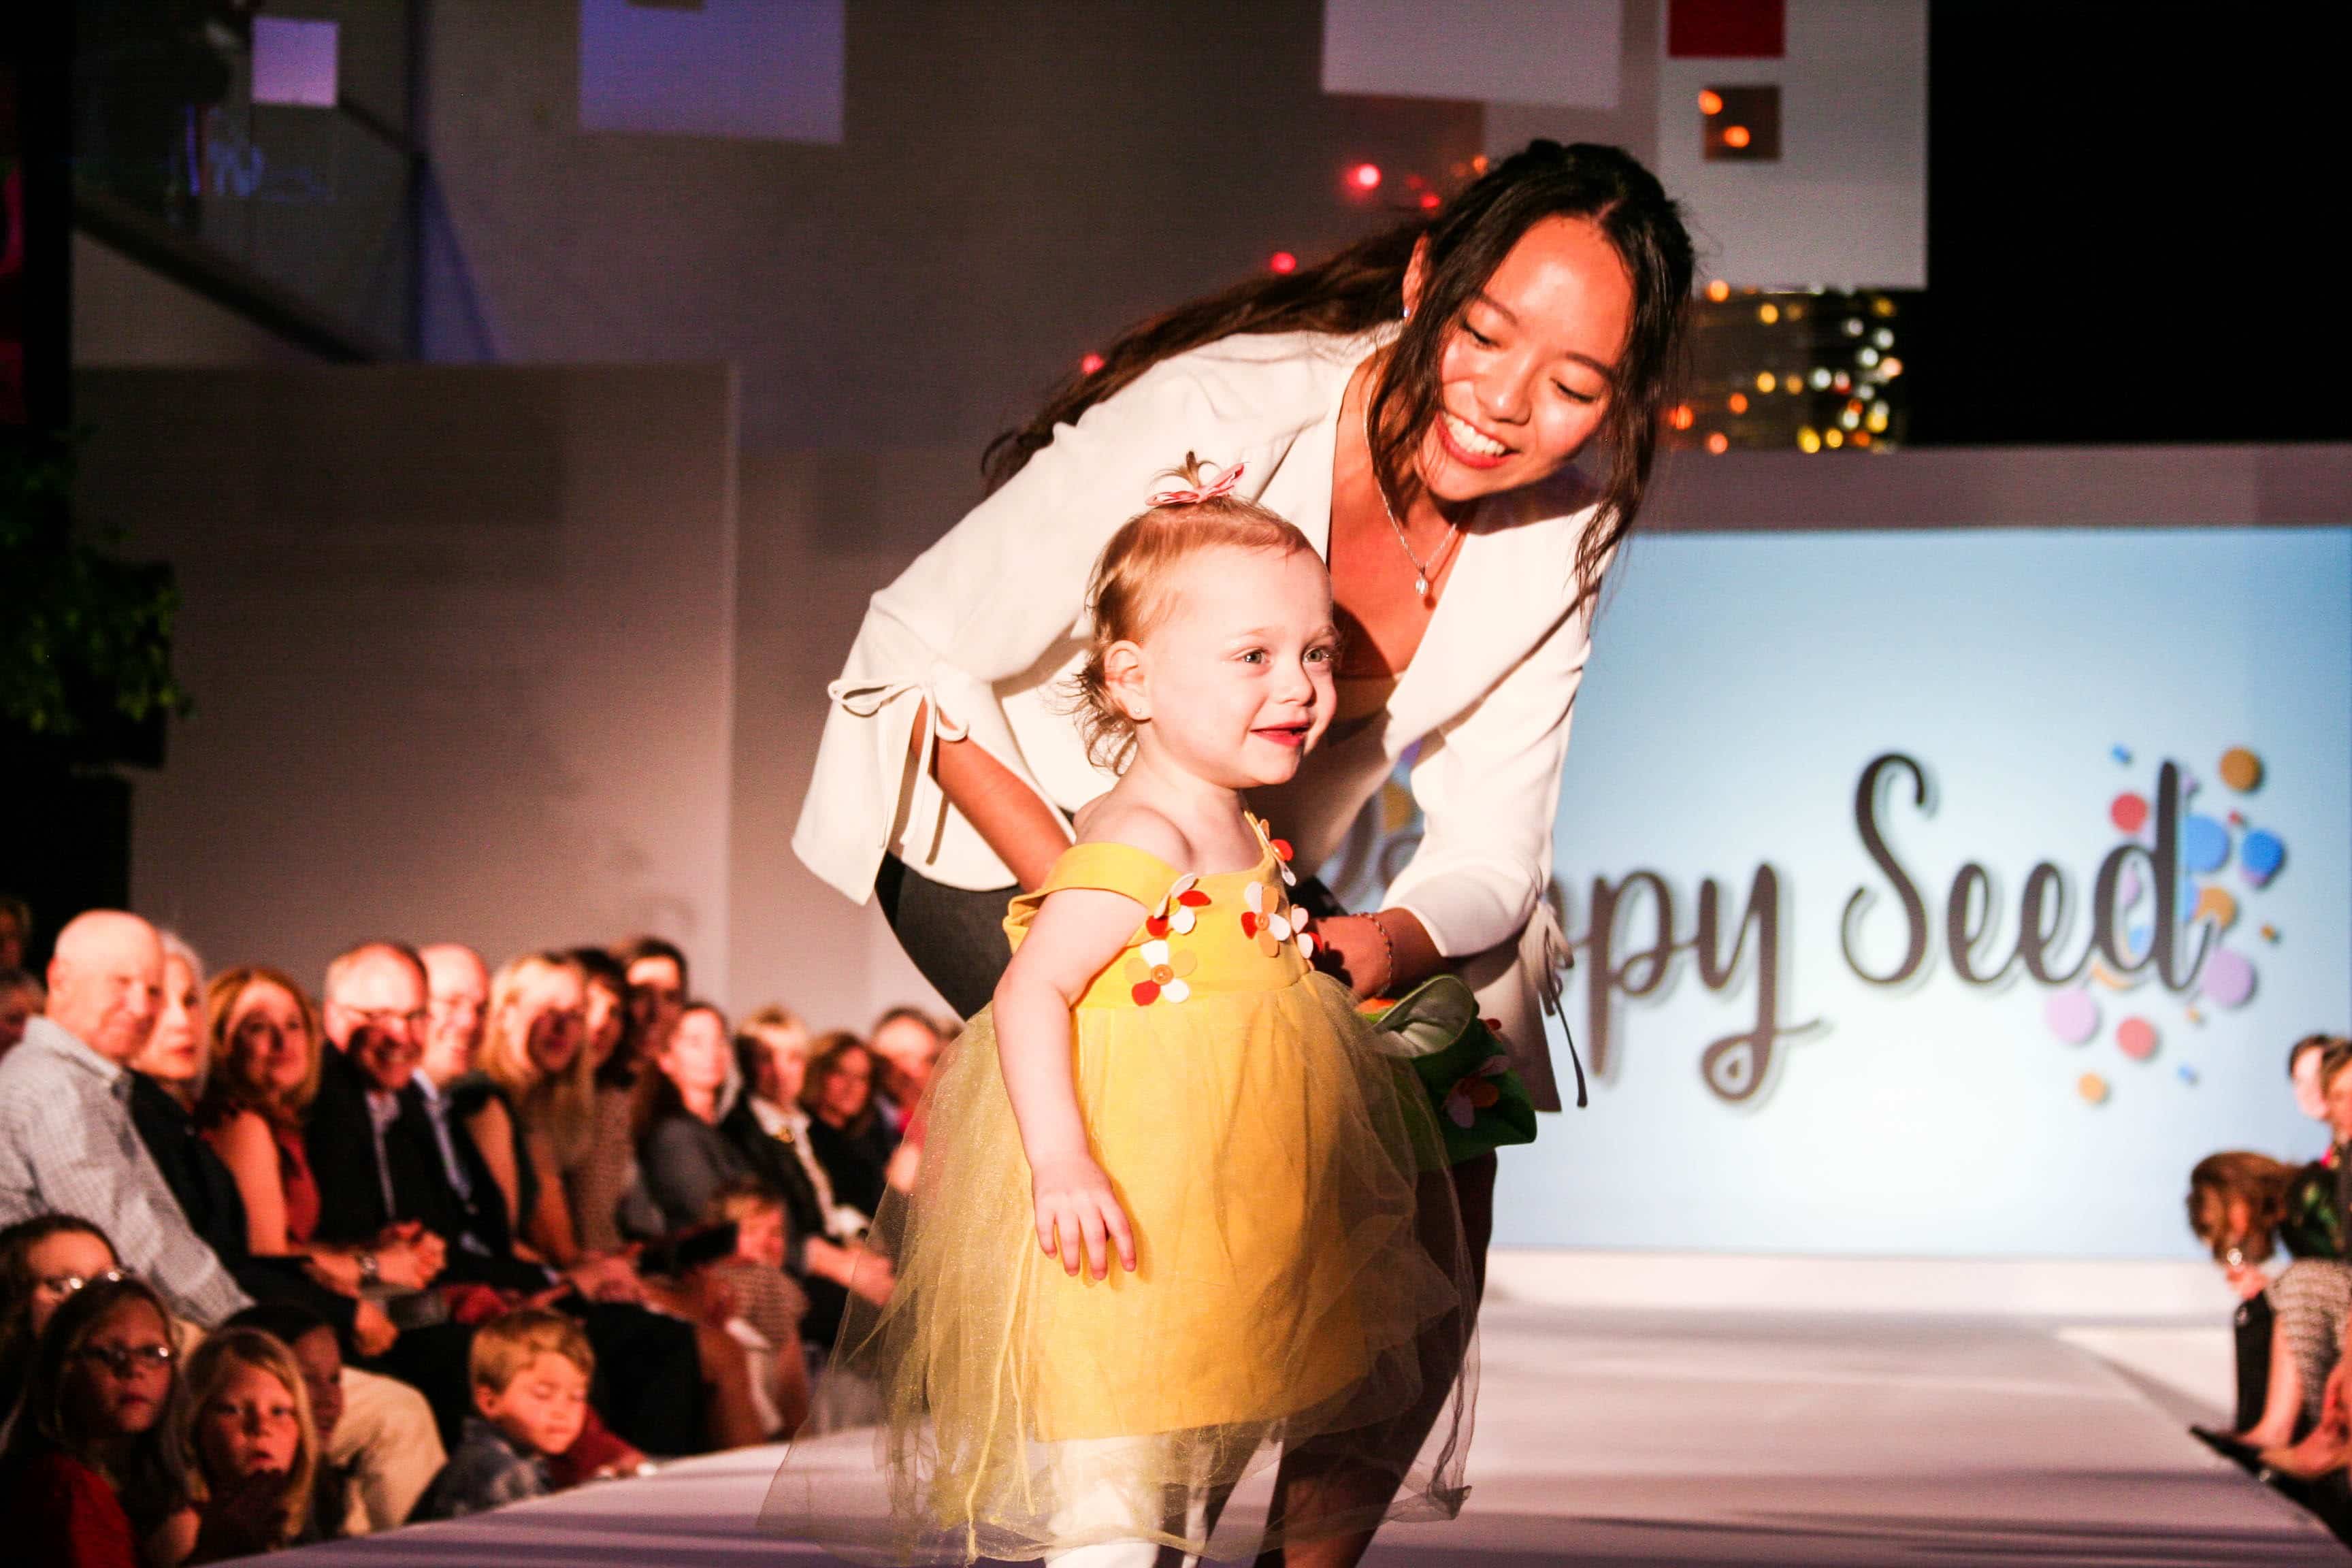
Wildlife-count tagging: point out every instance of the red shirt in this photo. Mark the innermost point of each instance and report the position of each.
(59, 1511)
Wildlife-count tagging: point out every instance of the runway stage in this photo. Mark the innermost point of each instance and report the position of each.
(1611, 1438)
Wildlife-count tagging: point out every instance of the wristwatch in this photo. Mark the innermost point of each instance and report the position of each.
(368, 1268)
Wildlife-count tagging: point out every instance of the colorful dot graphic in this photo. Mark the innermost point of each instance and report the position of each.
(2135, 1037)
(2229, 979)
(2071, 1016)
(2240, 769)
(2204, 844)
(2092, 1088)
(2215, 904)
(2128, 812)
(2261, 856)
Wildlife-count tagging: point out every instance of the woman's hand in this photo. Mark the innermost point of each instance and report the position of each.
(1078, 1216)
(1383, 954)
(853, 1269)
(408, 1256)
(372, 1332)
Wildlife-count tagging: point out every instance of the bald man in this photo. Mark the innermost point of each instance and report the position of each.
(457, 994)
(66, 1142)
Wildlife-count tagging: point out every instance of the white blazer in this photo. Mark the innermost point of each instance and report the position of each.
(990, 623)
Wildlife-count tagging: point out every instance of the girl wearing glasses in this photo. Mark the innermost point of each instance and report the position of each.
(92, 1473)
(42, 1261)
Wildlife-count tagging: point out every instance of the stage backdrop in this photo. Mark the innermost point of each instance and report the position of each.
(1946, 893)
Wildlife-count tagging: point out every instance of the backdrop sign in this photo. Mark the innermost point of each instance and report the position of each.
(1946, 894)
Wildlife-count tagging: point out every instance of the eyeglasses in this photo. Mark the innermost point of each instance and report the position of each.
(124, 1360)
(67, 1284)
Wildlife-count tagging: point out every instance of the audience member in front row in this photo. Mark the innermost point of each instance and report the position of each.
(93, 1475)
(251, 1450)
(67, 1140)
(767, 1303)
(529, 1371)
(531, 1105)
(338, 1501)
(601, 1183)
(458, 998)
(42, 1262)
(687, 1155)
(384, 1149)
(2243, 1206)
(21, 1000)
(845, 1130)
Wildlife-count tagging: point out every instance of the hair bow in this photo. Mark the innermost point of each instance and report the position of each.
(1223, 486)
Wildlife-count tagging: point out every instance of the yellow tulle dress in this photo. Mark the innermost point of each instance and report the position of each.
(1299, 1290)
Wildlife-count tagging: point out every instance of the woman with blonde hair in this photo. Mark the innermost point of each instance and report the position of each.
(531, 1104)
(251, 1444)
(264, 1043)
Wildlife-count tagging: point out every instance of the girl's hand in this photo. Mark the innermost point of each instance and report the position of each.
(1078, 1215)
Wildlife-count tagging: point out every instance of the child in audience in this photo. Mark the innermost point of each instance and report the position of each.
(530, 1370)
(768, 1306)
(336, 1508)
(93, 1475)
(43, 1260)
(252, 1448)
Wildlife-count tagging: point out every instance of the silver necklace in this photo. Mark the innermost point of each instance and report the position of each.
(1420, 572)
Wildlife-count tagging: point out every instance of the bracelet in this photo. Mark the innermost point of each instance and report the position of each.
(1388, 947)
(368, 1268)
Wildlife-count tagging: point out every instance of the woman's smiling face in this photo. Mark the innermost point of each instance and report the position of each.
(1527, 375)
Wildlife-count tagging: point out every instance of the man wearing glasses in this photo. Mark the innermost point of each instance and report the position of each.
(66, 1142)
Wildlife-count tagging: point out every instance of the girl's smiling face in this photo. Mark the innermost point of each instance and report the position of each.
(1235, 682)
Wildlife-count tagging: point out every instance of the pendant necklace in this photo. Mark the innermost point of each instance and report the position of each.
(1421, 573)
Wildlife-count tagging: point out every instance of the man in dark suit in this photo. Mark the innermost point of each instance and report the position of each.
(383, 1151)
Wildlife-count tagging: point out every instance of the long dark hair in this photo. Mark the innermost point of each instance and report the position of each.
(153, 1483)
(1363, 287)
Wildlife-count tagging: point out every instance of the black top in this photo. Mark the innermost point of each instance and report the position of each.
(854, 1163)
(340, 1135)
(465, 1099)
(207, 1195)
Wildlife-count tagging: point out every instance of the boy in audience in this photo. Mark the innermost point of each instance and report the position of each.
(530, 1371)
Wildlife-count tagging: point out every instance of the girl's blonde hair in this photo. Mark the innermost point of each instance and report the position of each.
(562, 1108)
(1128, 594)
(209, 1370)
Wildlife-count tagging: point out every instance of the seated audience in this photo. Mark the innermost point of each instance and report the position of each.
(21, 999)
(251, 1449)
(907, 1041)
(529, 1371)
(2240, 1206)
(67, 1144)
(93, 1475)
(771, 1053)
(15, 931)
(656, 971)
(385, 1149)
(687, 1156)
(531, 1105)
(845, 1128)
(42, 1262)
(599, 1184)
(458, 998)
(768, 1307)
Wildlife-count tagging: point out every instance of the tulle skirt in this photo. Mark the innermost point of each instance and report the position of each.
(1301, 1294)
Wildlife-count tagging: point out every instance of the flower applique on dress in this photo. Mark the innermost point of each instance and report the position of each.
(1270, 928)
(1155, 972)
(1174, 911)
(1475, 1090)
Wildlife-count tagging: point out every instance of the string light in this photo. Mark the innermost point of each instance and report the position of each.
(1767, 313)
(1734, 136)
(1809, 438)
(1710, 102)
(1365, 176)
(1718, 290)
(1282, 262)
(1429, 201)
(1089, 365)
(1738, 404)
(1718, 443)
(1682, 417)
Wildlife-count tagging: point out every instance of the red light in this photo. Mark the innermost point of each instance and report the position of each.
(1365, 176)
(1718, 443)
(1429, 201)
(1282, 262)
(1682, 417)
(1090, 365)
(1736, 136)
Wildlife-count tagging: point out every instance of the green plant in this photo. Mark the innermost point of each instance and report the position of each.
(85, 636)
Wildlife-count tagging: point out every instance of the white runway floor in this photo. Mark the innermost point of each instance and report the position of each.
(1610, 1438)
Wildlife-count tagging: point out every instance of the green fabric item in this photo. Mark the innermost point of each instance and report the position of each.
(1462, 1065)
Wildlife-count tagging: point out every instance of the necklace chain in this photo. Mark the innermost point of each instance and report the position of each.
(1421, 573)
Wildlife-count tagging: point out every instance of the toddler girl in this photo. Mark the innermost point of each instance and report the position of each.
(1168, 1226)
